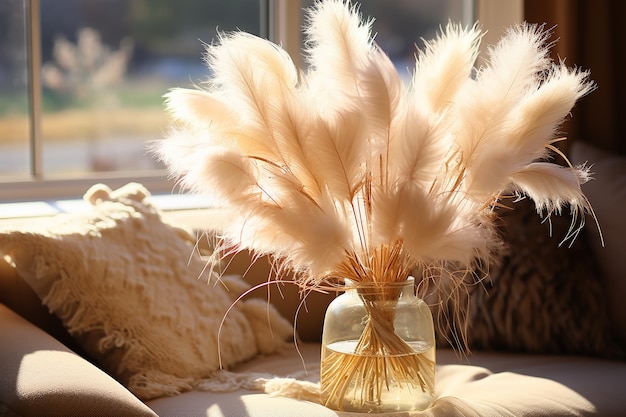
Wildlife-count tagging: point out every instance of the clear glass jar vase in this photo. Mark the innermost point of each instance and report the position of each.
(378, 350)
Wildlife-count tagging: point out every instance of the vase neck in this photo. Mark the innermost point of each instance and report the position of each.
(384, 290)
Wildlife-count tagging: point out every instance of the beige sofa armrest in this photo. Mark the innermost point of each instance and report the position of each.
(40, 376)
(17, 295)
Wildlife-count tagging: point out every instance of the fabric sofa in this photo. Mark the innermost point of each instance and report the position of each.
(46, 370)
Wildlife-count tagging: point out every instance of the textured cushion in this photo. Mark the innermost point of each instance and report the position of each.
(607, 194)
(41, 377)
(137, 296)
(485, 385)
(542, 294)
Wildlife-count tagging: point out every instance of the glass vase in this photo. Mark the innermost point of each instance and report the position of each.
(378, 350)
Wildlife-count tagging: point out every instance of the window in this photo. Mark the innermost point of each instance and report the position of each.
(81, 81)
(81, 85)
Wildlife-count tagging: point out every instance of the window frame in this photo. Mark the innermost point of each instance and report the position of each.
(279, 22)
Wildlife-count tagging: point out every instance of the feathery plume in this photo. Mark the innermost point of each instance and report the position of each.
(343, 172)
(423, 165)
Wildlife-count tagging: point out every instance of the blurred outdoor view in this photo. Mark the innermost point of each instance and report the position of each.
(105, 66)
(107, 63)
(401, 26)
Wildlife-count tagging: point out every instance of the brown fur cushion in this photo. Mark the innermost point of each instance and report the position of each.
(541, 296)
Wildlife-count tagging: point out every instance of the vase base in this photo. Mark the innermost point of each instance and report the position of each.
(374, 387)
(374, 408)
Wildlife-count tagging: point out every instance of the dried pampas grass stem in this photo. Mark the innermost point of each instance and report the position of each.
(344, 172)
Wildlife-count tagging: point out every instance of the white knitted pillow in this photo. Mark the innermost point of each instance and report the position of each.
(137, 297)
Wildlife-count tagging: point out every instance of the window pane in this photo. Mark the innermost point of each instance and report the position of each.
(106, 65)
(401, 25)
(14, 134)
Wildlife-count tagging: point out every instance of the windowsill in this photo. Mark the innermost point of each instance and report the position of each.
(166, 202)
(185, 209)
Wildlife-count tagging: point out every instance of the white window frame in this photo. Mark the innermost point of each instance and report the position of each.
(280, 22)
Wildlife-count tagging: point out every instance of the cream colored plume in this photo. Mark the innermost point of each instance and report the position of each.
(342, 171)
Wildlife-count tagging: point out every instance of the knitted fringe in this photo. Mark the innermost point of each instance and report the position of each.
(292, 387)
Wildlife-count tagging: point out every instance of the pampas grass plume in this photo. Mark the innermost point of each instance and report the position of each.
(343, 168)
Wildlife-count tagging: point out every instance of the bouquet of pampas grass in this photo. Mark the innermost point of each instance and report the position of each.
(343, 172)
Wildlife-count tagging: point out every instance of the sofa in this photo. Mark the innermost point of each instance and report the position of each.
(120, 311)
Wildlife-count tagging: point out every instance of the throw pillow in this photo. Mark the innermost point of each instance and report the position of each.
(541, 295)
(137, 296)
